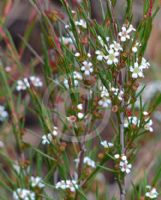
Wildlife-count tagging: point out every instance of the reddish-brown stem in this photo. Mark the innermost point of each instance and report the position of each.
(150, 8)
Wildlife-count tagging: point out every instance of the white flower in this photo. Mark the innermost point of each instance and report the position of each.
(77, 54)
(125, 166)
(116, 156)
(88, 161)
(136, 70)
(55, 131)
(132, 120)
(104, 102)
(145, 113)
(67, 185)
(151, 193)
(148, 125)
(81, 23)
(87, 68)
(36, 182)
(106, 144)
(80, 106)
(3, 113)
(118, 93)
(25, 83)
(36, 81)
(144, 64)
(116, 46)
(135, 47)
(112, 57)
(23, 194)
(66, 40)
(80, 115)
(104, 91)
(124, 34)
(100, 55)
(46, 139)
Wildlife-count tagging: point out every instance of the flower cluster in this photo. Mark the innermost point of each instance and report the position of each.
(125, 33)
(36, 182)
(151, 192)
(125, 167)
(105, 100)
(3, 113)
(135, 122)
(25, 83)
(70, 185)
(110, 55)
(118, 93)
(47, 139)
(23, 194)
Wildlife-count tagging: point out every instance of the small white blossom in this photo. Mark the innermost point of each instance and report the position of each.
(144, 64)
(82, 23)
(125, 166)
(25, 83)
(116, 46)
(36, 182)
(3, 113)
(70, 185)
(100, 55)
(116, 156)
(23, 194)
(88, 161)
(80, 115)
(106, 144)
(135, 47)
(136, 70)
(55, 131)
(148, 125)
(151, 192)
(80, 106)
(125, 33)
(87, 68)
(112, 57)
(118, 93)
(46, 139)
(77, 54)
(132, 120)
(66, 40)
(105, 100)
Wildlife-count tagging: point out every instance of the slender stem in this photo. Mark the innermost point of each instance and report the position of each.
(102, 9)
(122, 138)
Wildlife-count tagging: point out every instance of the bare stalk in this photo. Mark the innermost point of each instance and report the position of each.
(122, 139)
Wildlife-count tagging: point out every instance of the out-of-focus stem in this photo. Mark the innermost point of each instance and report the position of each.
(122, 138)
